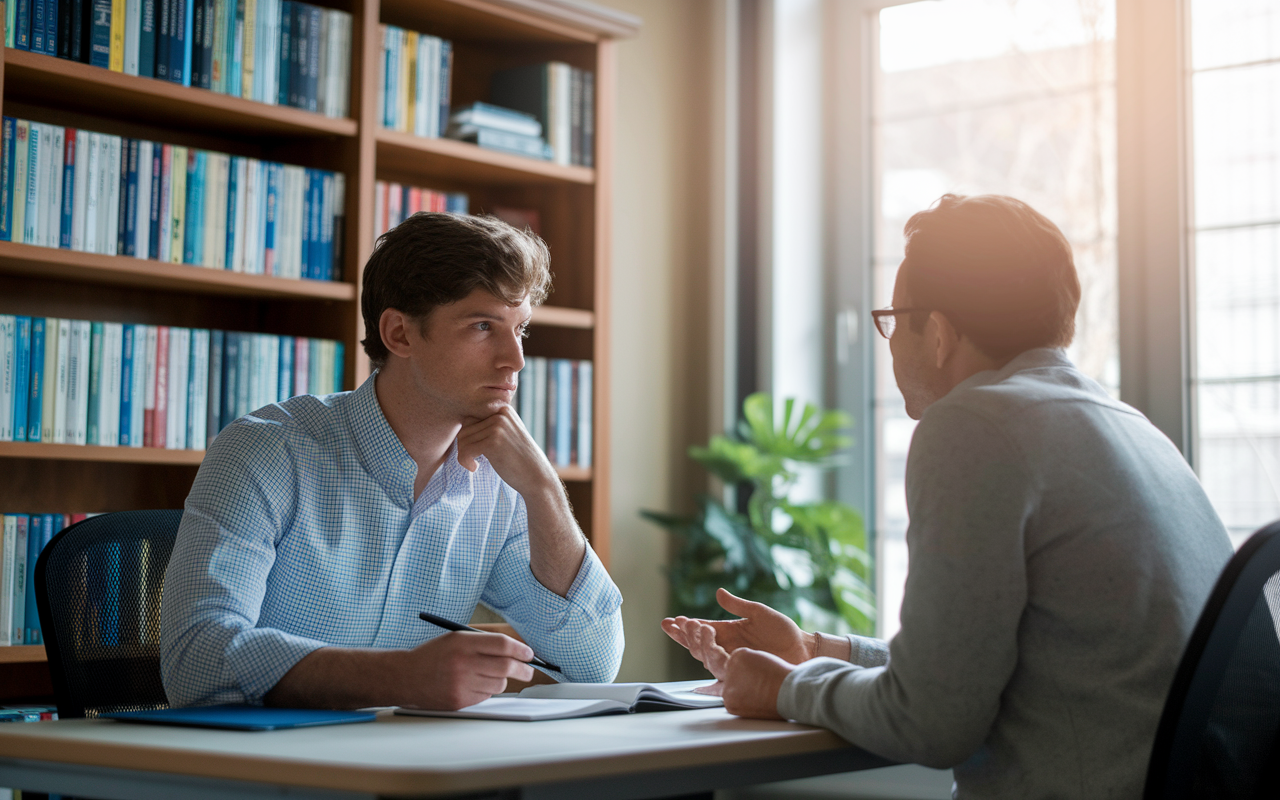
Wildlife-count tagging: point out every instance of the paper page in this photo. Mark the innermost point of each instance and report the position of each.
(522, 709)
(678, 693)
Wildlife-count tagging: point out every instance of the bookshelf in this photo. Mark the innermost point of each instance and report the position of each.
(573, 203)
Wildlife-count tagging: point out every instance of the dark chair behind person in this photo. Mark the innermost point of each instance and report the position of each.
(1219, 735)
(98, 585)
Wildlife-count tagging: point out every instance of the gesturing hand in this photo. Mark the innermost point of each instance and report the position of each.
(461, 669)
(748, 680)
(760, 628)
(504, 441)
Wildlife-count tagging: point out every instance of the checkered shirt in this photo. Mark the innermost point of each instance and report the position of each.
(302, 531)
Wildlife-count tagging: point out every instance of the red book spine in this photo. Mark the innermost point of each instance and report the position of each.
(160, 421)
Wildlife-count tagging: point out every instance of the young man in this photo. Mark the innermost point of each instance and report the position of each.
(319, 527)
(1061, 549)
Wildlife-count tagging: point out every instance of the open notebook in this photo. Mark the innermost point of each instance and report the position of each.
(571, 700)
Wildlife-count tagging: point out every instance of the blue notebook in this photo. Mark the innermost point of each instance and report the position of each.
(244, 718)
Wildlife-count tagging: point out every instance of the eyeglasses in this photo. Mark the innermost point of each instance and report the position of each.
(886, 319)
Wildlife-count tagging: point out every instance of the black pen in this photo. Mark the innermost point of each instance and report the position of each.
(450, 625)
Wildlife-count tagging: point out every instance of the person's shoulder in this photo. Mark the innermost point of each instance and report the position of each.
(1031, 387)
(306, 423)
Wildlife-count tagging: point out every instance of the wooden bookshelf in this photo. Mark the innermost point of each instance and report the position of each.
(573, 203)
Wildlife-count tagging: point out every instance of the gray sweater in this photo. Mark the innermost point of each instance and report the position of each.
(1060, 553)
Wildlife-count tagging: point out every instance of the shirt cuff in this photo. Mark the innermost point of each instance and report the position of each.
(260, 657)
(800, 691)
(592, 595)
(868, 652)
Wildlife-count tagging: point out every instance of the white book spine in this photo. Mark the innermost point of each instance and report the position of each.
(585, 400)
(242, 182)
(42, 187)
(198, 402)
(150, 366)
(111, 219)
(57, 157)
(92, 193)
(132, 35)
(49, 390)
(78, 385)
(19, 615)
(220, 234)
(139, 393)
(63, 384)
(562, 106)
(176, 419)
(143, 222)
(8, 374)
(253, 218)
(80, 201)
(21, 152)
(113, 370)
(165, 210)
(344, 74)
(8, 544)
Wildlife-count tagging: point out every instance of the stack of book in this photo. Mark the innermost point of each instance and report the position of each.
(393, 203)
(414, 82)
(280, 52)
(108, 383)
(79, 190)
(554, 402)
(562, 98)
(22, 537)
(498, 128)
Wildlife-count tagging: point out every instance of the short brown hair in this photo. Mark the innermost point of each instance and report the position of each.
(434, 259)
(1000, 271)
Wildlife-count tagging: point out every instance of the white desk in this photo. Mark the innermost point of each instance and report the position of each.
(616, 757)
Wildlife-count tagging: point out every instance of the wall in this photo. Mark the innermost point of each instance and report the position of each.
(663, 248)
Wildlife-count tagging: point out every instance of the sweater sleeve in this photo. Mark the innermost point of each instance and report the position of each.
(969, 495)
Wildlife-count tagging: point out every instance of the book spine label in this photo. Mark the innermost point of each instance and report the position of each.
(118, 186)
(157, 199)
(112, 386)
(192, 247)
(35, 391)
(165, 211)
(138, 392)
(35, 543)
(100, 35)
(19, 620)
(21, 400)
(93, 191)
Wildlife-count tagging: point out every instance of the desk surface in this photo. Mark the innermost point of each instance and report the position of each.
(420, 755)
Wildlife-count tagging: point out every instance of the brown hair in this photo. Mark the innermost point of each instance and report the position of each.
(434, 259)
(1000, 271)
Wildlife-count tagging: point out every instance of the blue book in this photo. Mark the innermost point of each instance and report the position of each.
(286, 368)
(35, 392)
(146, 40)
(235, 46)
(177, 40)
(192, 249)
(157, 160)
(164, 32)
(326, 227)
(446, 82)
(35, 543)
(285, 62)
(51, 9)
(233, 186)
(338, 361)
(95, 383)
(244, 718)
(22, 374)
(564, 410)
(127, 367)
(22, 23)
(312, 65)
(230, 375)
(68, 186)
(37, 26)
(305, 238)
(457, 203)
(214, 423)
(100, 35)
(199, 76)
(274, 172)
(189, 422)
(130, 201)
(6, 180)
(315, 257)
(122, 218)
(188, 39)
(298, 55)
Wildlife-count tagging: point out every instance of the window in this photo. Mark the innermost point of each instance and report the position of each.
(1235, 90)
(1011, 97)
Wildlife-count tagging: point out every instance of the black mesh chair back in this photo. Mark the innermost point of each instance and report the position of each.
(98, 585)
(1219, 735)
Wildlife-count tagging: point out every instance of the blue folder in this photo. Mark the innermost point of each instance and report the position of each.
(244, 718)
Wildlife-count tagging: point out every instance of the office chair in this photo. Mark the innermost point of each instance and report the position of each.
(98, 585)
(1219, 735)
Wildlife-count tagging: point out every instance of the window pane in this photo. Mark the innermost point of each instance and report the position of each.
(1236, 241)
(1011, 97)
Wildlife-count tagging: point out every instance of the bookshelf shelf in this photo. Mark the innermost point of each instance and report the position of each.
(553, 316)
(126, 271)
(23, 654)
(446, 159)
(117, 455)
(32, 76)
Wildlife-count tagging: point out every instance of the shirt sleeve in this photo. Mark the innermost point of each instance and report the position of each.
(866, 651)
(581, 632)
(240, 504)
(933, 702)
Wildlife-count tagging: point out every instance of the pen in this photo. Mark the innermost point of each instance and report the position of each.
(450, 625)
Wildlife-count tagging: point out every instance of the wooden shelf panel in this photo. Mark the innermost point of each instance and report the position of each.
(23, 654)
(120, 455)
(46, 79)
(515, 21)
(464, 162)
(574, 473)
(126, 271)
(558, 317)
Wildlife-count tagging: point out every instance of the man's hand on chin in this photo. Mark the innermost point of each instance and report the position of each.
(515, 456)
(751, 681)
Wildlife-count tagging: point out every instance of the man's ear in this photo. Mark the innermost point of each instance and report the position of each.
(947, 339)
(393, 326)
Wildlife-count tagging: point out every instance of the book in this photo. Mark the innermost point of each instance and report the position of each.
(517, 144)
(146, 39)
(52, 8)
(96, 352)
(63, 377)
(49, 380)
(585, 400)
(35, 392)
(8, 543)
(21, 376)
(21, 25)
(243, 718)
(21, 154)
(150, 381)
(8, 369)
(132, 29)
(66, 225)
(115, 55)
(36, 540)
(487, 115)
(574, 700)
(6, 179)
(78, 382)
(125, 417)
(18, 620)
(100, 34)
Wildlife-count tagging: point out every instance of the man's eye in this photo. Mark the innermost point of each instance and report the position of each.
(484, 326)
